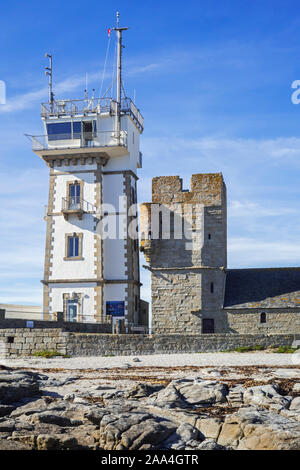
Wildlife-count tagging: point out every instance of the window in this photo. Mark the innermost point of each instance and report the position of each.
(160, 227)
(211, 287)
(208, 326)
(73, 246)
(74, 195)
(172, 225)
(71, 130)
(133, 200)
(209, 236)
(77, 130)
(59, 131)
(263, 318)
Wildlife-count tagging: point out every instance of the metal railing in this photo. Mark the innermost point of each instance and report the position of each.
(75, 107)
(78, 140)
(72, 203)
(91, 106)
(128, 107)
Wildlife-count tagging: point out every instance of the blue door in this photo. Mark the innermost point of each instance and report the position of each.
(72, 310)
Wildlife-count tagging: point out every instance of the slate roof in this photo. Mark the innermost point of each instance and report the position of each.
(262, 288)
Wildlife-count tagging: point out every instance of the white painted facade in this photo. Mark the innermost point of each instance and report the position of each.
(113, 182)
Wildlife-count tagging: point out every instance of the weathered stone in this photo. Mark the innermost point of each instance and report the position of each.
(141, 390)
(133, 430)
(7, 425)
(95, 414)
(169, 397)
(34, 406)
(209, 427)
(187, 432)
(296, 388)
(295, 404)
(5, 410)
(210, 444)
(203, 393)
(151, 433)
(15, 386)
(46, 442)
(48, 417)
(259, 429)
(6, 444)
(265, 395)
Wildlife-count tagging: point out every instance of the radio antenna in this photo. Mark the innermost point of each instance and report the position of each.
(119, 74)
(49, 72)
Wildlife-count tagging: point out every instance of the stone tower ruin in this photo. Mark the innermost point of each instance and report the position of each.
(184, 241)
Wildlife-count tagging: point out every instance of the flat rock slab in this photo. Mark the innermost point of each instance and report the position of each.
(259, 429)
(16, 386)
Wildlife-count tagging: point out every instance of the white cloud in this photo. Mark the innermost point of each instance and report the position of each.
(69, 84)
(253, 209)
(250, 252)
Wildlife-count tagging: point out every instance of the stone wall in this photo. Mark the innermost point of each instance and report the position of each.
(15, 342)
(278, 321)
(123, 345)
(188, 271)
(25, 342)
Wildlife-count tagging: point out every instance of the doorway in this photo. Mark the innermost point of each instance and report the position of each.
(208, 326)
(87, 127)
(72, 310)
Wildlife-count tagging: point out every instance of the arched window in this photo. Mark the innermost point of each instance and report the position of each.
(212, 287)
(263, 318)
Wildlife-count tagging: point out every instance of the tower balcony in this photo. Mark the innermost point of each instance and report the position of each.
(55, 146)
(72, 206)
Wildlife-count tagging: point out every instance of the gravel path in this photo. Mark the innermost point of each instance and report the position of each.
(160, 360)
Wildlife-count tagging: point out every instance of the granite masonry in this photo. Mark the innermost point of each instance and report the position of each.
(16, 342)
(192, 290)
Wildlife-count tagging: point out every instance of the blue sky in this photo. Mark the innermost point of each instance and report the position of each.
(213, 81)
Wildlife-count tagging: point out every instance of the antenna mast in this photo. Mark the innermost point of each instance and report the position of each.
(49, 71)
(119, 76)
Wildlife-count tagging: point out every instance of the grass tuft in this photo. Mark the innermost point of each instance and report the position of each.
(285, 350)
(48, 354)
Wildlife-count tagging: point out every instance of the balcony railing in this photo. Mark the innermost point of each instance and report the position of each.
(75, 107)
(78, 140)
(73, 205)
(89, 106)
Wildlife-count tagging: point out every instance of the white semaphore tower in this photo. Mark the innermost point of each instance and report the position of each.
(92, 149)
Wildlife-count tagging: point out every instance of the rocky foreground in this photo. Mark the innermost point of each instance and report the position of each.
(134, 407)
